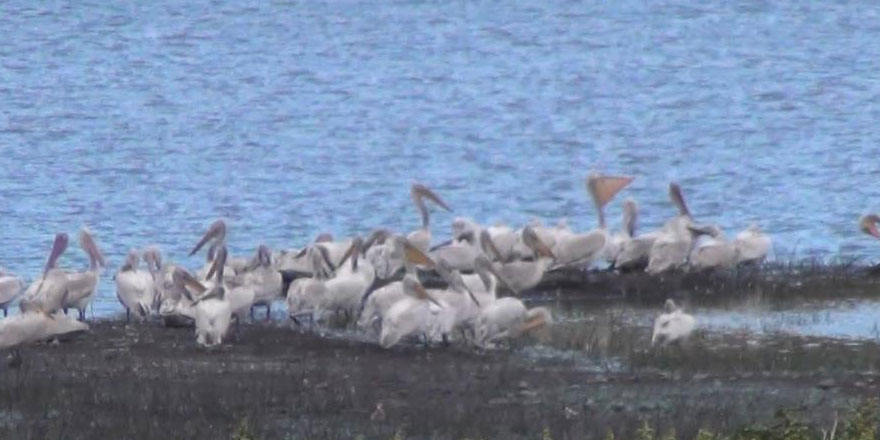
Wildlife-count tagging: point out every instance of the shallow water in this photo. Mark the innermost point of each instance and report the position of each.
(146, 122)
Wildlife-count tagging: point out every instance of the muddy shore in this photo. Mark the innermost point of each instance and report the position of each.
(578, 380)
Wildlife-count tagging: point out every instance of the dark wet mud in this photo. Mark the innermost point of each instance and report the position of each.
(145, 381)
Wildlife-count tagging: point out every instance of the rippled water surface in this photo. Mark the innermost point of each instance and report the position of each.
(148, 120)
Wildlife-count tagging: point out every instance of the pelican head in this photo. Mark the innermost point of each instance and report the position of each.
(153, 258)
(324, 237)
(868, 224)
(413, 288)
(377, 237)
(678, 199)
(87, 242)
(131, 261)
(263, 258)
(603, 188)
(216, 234)
(669, 306)
(58, 248)
(530, 239)
(419, 193)
(711, 230)
(488, 246)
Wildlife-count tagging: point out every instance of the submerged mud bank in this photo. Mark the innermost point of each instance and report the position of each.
(145, 381)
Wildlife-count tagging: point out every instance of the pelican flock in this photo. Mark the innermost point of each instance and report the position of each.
(383, 284)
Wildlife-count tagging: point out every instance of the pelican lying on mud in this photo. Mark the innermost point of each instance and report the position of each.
(673, 326)
(521, 275)
(671, 249)
(634, 251)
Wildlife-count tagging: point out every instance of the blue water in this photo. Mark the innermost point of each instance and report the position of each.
(147, 121)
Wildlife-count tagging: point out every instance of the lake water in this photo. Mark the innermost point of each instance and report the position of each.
(148, 121)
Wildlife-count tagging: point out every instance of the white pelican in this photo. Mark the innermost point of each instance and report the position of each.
(711, 250)
(673, 326)
(508, 318)
(47, 293)
(264, 278)
(34, 326)
(421, 238)
(634, 250)
(672, 248)
(385, 252)
(240, 297)
(304, 295)
(571, 248)
(522, 275)
(81, 286)
(213, 309)
(377, 303)
(135, 287)
(410, 316)
(216, 235)
(752, 245)
(10, 289)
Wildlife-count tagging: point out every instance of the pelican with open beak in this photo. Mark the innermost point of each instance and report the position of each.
(586, 248)
(47, 293)
(671, 249)
(81, 286)
(421, 238)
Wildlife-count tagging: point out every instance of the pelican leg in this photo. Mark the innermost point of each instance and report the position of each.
(268, 312)
(15, 359)
(5, 312)
(252, 313)
(82, 315)
(127, 315)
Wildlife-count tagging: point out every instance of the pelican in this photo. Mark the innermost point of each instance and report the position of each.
(171, 299)
(377, 302)
(34, 326)
(265, 280)
(352, 279)
(508, 318)
(522, 275)
(673, 326)
(213, 308)
(711, 250)
(463, 251)
(10, 289)
(135, 287)
(216, 235)
(421, 238)
(752, 245)
(48, 292)
(634, 250)
(385, 252)
(239, 297)
(81, 286)
(571, 248)
(465, 297)
(672, 248)
(304, 295)
(410, 316)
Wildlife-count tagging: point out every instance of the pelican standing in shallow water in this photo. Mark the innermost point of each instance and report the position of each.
(10, 289)
(47, 293)
(573, 248)
(508, 318)
(81, 286)
(672, 326)
(421, 238)
(135, 287)
(672, 248)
